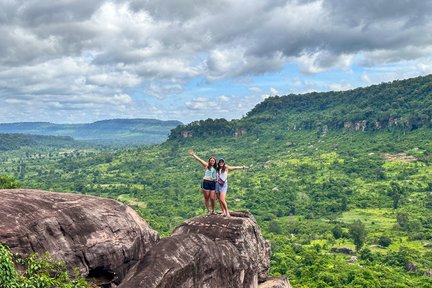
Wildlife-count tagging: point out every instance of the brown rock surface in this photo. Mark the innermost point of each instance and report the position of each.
(206, 251)
(191, 260)
(276, 282)
(102, 237)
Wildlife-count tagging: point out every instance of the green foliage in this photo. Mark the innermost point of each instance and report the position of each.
(17, 141)
(8, 182)
(107, 132)
(384, 241)
(337, 232)
(39, 272)
(297, 187)
(358, 233)
(402, 104)
(8, 273)
(395, 191)
(274, 227)
(306, 184)
(403, 220)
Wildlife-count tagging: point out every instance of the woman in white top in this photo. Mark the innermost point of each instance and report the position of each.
(222, 183)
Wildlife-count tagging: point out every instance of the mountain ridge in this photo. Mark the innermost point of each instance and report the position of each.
(110, 131)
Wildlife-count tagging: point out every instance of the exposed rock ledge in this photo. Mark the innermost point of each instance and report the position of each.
(105, 238)
(102, 237)
(206, 251)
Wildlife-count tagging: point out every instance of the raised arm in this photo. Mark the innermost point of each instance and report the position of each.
(230, 168)
(204, 163)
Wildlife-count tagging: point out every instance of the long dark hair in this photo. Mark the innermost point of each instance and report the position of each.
(209, 165)
(219, 168)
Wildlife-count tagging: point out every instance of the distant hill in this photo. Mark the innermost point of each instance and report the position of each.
(312, 177)
(403, 104)
(114, 131)
(9, 141)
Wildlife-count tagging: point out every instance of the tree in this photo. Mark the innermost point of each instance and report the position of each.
(402, 220)
(337, 232)
(395, 192)
(357, 232)
(275, 227)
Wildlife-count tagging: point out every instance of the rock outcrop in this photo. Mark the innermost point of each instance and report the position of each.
(276, 282)
(102, 237)
(108, 241)
(206, 251)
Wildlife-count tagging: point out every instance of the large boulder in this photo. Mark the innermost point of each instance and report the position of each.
(102, 237)
(190, 260)
(206, 251)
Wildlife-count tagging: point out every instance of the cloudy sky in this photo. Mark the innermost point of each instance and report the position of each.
(75, 61)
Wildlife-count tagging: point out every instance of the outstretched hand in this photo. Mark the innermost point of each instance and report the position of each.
(191, 152)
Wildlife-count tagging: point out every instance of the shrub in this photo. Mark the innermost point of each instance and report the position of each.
(384, 241)
(40, 271)
(7, 182)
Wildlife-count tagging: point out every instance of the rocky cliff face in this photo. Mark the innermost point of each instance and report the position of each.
(100, 236)
(206, 251)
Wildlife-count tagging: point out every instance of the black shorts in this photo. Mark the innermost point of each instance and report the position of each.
(208, 185)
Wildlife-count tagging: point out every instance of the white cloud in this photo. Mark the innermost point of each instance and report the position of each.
(80, 51)
(201, 103)
(255, 89)
(223, 98)
(273, 91)
(321, 61)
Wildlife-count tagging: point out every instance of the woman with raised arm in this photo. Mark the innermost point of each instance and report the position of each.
(222, 183)
(208, 185)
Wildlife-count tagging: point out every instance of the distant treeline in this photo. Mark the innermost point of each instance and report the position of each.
(105, 132)
(404, 104)
(11, 141)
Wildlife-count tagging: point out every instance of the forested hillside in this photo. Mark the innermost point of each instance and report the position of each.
(107, 132)
(342, 207)
(405, 104)
(10, 141)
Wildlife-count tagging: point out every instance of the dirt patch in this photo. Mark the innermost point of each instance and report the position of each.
(399, 157)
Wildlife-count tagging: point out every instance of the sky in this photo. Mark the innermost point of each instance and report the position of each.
(79, 61)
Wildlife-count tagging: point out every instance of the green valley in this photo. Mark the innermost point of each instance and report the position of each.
(120, 132)
(340, 182)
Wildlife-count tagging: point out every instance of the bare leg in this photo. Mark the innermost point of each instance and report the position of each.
(206, 194)
(212, 200)
(223, 203)
(220, 204)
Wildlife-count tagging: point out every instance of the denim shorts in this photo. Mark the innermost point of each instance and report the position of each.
(208, 185)
(221, 188)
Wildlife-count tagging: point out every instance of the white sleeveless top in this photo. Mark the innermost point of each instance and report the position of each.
(223, 175)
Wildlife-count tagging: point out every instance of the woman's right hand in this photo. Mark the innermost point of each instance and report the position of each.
(191, 152)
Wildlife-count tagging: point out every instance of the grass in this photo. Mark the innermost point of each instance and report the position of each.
(132, 201)
(375, 220)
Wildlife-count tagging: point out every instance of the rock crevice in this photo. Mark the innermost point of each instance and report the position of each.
(99, 236)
